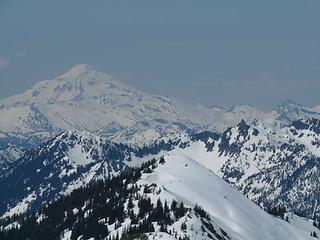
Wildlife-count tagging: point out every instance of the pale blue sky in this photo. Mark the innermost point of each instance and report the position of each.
(212, 52)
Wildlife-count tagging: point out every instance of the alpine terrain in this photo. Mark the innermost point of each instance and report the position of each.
(83, 156)
(162, 199)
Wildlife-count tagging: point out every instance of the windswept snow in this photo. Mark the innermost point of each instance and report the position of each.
(183, 178)
(197, 150)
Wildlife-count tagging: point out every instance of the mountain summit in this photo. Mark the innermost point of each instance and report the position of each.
(289, 111)
(84, 98)
(80, 81)
(78, 70)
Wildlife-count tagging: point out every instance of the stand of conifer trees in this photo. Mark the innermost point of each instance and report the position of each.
(89, 210)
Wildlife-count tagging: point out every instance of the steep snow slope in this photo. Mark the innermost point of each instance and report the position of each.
(184, 179)
(130, 201)
(116, 207)
(69, 161)
(270, 166)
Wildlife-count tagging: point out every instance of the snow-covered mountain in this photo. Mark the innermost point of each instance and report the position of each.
(289, 111)
(145, 198)
(283, 114)
(271, 166)
(68, 161)
(188, 181)
(85, 126)
(86, 99)
(9, 154)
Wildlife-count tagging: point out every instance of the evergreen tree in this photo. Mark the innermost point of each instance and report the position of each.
(162, 161)
(173, 205)
(183, 227)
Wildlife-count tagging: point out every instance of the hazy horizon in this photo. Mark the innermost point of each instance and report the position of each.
(212, 53)
(186, 100)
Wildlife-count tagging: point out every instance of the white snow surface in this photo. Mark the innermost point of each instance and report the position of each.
(8, 155)
(79, 156)
(186, 180)
(86, 99)
(22, 206)
(159, 236)
(209, 159)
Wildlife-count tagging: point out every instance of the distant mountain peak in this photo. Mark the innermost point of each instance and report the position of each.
(82, 67)
(86, 98)
(288, 103)
(78, 69)
(86, 75)
(289, 111)
(86, 78)
(78, 136)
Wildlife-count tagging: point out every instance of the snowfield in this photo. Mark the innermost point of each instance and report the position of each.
(186, 180)
(98, 126)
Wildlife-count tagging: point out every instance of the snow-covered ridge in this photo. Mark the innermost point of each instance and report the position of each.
(70, 160)
(8, 155)
(184, 179)
(212, 209)
(271, 166)
(86, 99)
